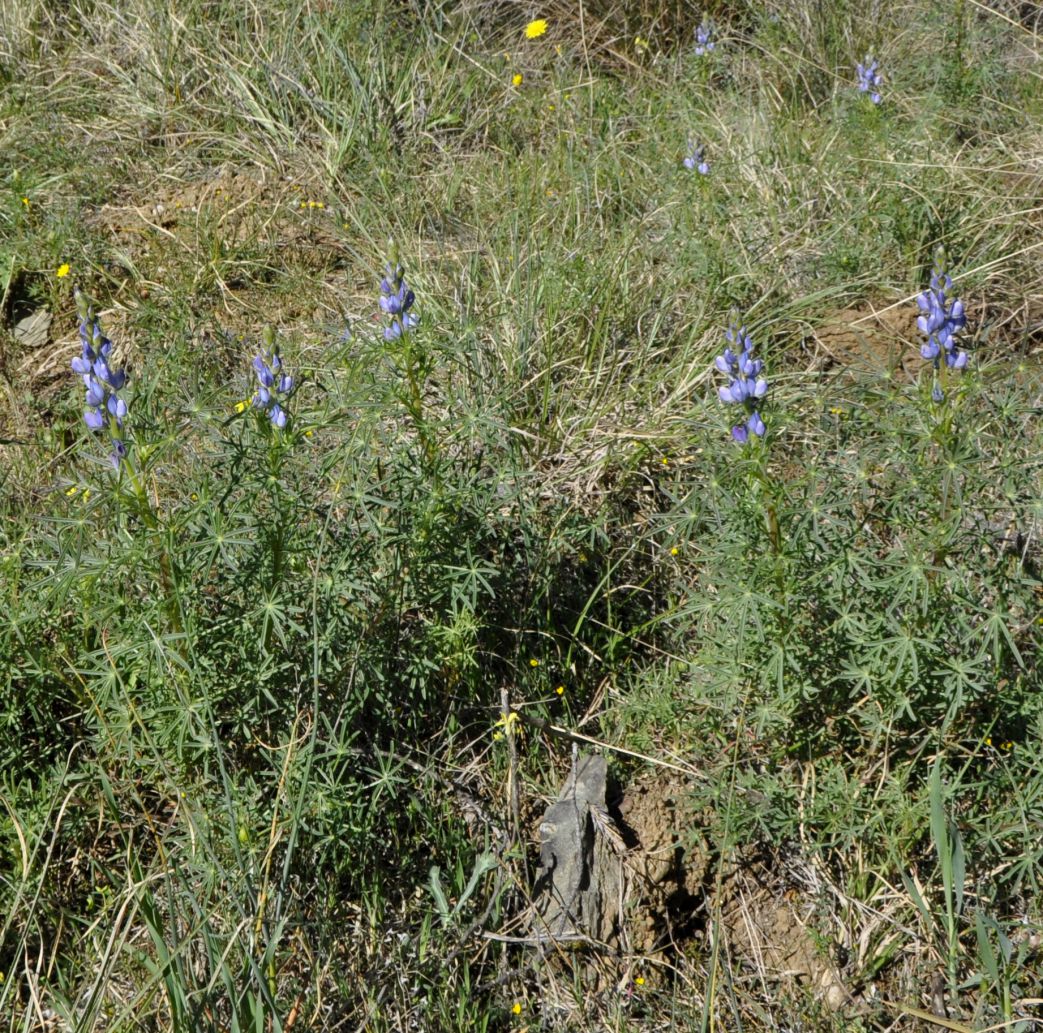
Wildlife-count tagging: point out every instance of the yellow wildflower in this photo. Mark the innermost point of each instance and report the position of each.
(674, 551)
(536, 28)
(516, 1008)
(640, 981)
(62, 271)
(516, 79)
(534, 662)
(507, 724)
(25, 201)
(560, 690)
(641, 43)
(242, 406)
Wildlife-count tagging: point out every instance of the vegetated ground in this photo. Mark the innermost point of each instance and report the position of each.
(260, 764)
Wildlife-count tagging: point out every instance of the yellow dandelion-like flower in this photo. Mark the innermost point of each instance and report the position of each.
(309, 433)
(560, 690)
(516, 79)
(536, 28)
(640, 981)
(665, 461)
(534, 662)
(674, 551)
(242, 406)
(988, 740)
(25, 202)
(62, 271)
(516, 1008)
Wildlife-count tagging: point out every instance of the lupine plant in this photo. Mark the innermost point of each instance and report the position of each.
(695, 159)
(941, 319)
(704, 38)
(746, 386)
(869, 78)
(105, 409)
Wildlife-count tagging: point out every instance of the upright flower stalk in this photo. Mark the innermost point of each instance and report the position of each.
(396, 299)
(695, 158)
(869, 78)
(704, 43)
(275, 384)
(105, 409)
(746, 386)
(396, 303)
(941, 319)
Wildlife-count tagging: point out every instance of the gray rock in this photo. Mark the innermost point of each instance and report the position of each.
(579, 882)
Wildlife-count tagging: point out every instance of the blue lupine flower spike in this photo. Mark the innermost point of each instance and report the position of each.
(105, 408)
(704, 38)
(695, 159)
(745, 386)
(869, 78)
(275, 383)
(941, 319)
(396, 299)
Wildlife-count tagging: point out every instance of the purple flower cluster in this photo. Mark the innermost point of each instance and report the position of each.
(746, 386)
(104, 406)
(869, 79)
(704, 38)
(396, 299)
(941, 319)
(696, 158)
(275, 384)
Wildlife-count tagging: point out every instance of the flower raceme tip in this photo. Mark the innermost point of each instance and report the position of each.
(105, 408)
(745, 385)
(274, 383)
(695, 159)
(941, 319)
(704, 38)
(396, 300)
(869, 78)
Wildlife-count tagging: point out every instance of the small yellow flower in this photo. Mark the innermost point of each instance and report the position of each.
(641, 43)
(62, 271)
(507, 724)
(665, 461)
(516, 1008)
(516, 79)
(674, 551)
(71, 491)
(560, 690)
(988, 740)
(242, 406)
(309, 433)
(640, 981)
(1008, 745)
(534, 662)
(836, 410)
(25, 202)
(536, 28)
